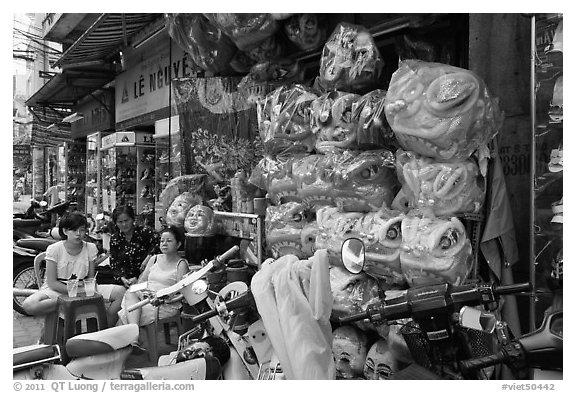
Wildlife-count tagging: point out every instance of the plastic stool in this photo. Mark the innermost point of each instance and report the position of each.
(77, 315)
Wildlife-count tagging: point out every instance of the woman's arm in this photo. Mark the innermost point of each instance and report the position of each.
(144, 276)
(52, 278)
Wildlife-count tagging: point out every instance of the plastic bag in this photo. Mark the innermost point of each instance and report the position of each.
(446, 188)
(195, 184)
(305, 31)
(294, 299)
(350, 60)
(284, 120)
(434, 250)
(208, 46)
(267, 50)
(245, 30)
(283, 225)
(440, 111)
(379, 231)
(331, 121)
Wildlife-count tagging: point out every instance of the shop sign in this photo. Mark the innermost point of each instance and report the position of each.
(144, 88)
(127, 138)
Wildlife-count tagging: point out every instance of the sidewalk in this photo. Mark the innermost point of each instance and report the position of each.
(25, 330)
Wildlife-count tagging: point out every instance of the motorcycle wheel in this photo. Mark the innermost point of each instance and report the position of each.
(24, 277)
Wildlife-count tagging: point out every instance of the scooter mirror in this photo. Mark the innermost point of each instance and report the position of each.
(353, 255)
(196, 292)
(43, 203)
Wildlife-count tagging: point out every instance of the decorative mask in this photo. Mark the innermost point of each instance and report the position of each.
(380, 361)
(446, 188)
(305, 31)
(350, 347)
(332, 121)
(434, 250)
(440, 111)
(176, 213)
(200, 221)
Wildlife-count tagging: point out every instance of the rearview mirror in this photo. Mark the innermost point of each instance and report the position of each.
(353, 255)
(43, 203)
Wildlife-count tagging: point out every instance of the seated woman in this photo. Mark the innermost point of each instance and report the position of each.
(69, 257)
(162, 271)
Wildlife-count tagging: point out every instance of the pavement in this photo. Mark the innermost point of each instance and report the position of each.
(26, 330)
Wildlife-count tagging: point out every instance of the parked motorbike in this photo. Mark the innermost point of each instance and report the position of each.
(442, 344)
(25, 250)
(38, 223)
(97, 355)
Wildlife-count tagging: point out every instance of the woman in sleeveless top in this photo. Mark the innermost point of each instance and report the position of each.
(162, 271)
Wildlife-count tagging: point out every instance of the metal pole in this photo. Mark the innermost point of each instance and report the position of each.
(533, 297)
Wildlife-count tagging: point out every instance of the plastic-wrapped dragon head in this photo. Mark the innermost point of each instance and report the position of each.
(434, 250)
(312, 175)
(332, 120)
(284, 224)
(278, 181)
(379, 231)
(366, 181)
(440, 111)
(445, 188)
(289, 129)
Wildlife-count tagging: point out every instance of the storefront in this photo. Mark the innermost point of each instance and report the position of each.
(288, 135)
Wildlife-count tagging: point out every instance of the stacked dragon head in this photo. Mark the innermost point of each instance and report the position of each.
(288, 112)
(440, 111)
(278, 180)
(284, 225)
(434, 250)
(365, 181)
(380, 231)
(331, 120)
(312, 175)
(446, 188)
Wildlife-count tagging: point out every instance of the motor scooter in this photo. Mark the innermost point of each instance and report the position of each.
(97, 355)
(441, 342)
(39, 224)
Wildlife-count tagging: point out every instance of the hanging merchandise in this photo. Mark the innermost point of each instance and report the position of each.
(208, 46)
(441, 111)
(350, 60)
(245, 30)
(306, 31)
(266, 76)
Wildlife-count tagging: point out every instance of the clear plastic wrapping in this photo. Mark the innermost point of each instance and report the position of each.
(284, 121)
(440, 111)
(246, 30)
(208, 46)
(445, 188)
(379, 231)
(434, 250)
(350, 60)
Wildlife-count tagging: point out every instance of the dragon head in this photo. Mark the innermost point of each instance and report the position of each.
(332, 120)
(366, 181)
(284, 225)
(440, 111)
(447, 188)
(434, 250)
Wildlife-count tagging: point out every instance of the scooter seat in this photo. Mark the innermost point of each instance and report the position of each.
(31, 355)
(35, 243)
(206, 368)
(102, 341)
(25, 222)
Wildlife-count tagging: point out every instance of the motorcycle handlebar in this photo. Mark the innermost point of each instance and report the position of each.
(242, 300)
(471, 295)
(485, 361)
(141, 303)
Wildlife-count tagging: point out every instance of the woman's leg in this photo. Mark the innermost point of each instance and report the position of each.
(131, 298)
(39, 303)
(113, 294)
